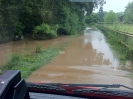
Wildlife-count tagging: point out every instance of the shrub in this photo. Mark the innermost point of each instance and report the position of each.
(18, 32)
(14, 61)
(52, 34)
(39, 48)
(55, 27)
(44, 31)
(4, 37)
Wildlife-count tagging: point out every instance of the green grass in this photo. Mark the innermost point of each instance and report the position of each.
(94, 26)
(74, 35)
(29, 63)
(121, 51)
(121, 27)
(39, 48)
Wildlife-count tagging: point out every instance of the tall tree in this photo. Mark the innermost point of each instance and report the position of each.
(128, 15)
(111, 17)
(9, 18)
(21, 17)
(101, 14)
(120, 16)
(93, 18)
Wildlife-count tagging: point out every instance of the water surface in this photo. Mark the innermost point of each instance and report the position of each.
(88, 59)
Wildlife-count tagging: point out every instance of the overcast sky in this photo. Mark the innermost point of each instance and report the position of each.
(115, 5)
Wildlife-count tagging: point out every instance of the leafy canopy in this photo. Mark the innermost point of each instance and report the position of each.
(128, 16)
(111, 17)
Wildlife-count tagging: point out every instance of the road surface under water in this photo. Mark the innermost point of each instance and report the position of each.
(88, 59)
(26, 45)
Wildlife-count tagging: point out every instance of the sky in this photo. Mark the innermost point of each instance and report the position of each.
(115, 5)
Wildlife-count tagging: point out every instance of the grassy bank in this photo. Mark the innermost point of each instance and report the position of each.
(29, 63)
(121, 27)
(121, 51)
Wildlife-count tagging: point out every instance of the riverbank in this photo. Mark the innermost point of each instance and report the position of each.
(121, 27)
(120, 49)
(28, 63)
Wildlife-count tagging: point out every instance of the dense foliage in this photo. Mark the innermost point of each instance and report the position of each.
(120, 16)
(93, 18)
(111, 17)
(128, 16)
(124, 17)
(9, 12)
(101, 14)
(43, 32)
(21, 17)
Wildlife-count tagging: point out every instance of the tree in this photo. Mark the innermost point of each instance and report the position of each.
(93, 18)
(120, 16)
(9, 17)
(101, 14)
(128, 15)
(111, 17)
(21, 17)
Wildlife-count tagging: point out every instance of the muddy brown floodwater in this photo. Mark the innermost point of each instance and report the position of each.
(88, 59)
(25, 45)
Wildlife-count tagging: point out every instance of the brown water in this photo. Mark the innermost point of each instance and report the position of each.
(25, 45)
(88, 59)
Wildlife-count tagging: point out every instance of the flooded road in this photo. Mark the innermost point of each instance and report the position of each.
(88, 59)
(25, 45)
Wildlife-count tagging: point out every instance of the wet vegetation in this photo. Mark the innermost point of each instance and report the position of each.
(115, 27)
(42, 19)
(121, 27)
(121, 44)
(29, 63)
(118, 29)
(48, 19)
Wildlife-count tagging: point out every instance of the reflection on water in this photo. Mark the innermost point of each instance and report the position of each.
(88, 59)
(102, 53)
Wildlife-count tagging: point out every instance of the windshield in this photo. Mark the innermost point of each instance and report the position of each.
(68, 41)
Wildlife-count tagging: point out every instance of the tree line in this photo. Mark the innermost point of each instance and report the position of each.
(42, 19)
(111, 16)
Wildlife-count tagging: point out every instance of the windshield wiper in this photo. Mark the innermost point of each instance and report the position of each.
(80, 89)
(44, 87)
(104, 86)
(116, 86)
(104, 89)
(58, 85)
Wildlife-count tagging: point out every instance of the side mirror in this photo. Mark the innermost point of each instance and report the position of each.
(12, 86)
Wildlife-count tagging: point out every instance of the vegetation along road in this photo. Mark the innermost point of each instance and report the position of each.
(87, 59)
(51, 41)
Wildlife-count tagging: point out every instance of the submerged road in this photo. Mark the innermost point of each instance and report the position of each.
(88, 59)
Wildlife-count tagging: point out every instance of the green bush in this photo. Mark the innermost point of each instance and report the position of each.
(43, 31)
(14, 61)
(111, 17)
(55, 27)
(52, 34)
(39, 48)
(4, 37)
(18, 31)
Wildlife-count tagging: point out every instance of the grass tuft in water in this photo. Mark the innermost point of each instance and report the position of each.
(39, 48)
